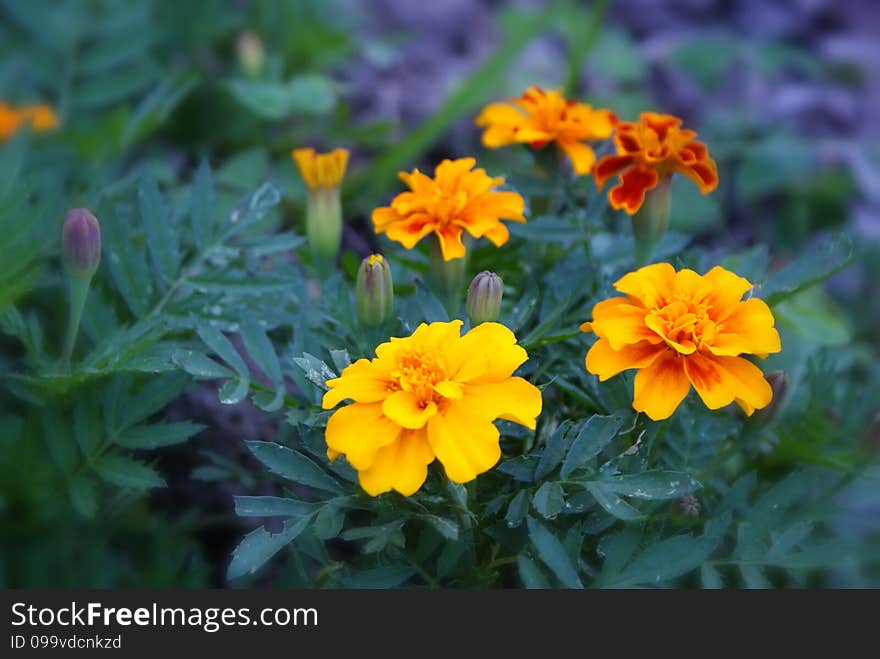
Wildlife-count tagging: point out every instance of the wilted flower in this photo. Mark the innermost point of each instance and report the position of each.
(81, 243)
(539, 117)
(681, 329)
(649, 150)
(458, 198)
(431, 395)
(484, 297)
(40, 117)
(374, 291)
(323, 174)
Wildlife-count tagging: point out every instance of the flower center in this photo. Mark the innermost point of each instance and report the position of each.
(447, 205)
(418, 372)
(684, 323)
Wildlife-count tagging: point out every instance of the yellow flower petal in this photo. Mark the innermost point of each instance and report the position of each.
(621, 323)
(649, 285)
(358, 431)
(604, 361)
(749, 329)
(400, 466)
(513, 399)
(466, 444)
(752, 387)
(487, 353)
(405, 409)
(715, 386)
(660, 387)
(582, 157)
(361, 381)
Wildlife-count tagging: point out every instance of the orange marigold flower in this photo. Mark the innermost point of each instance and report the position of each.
(431, 395)
(647, 150)
(458, 198)
(321, 170)
(681, 329)
(539, 117)
(40, 117)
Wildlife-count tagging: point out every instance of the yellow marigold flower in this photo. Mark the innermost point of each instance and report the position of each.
(321, 170)
(539, 117)
(458, 198)
(40, 117)
(431, 395)
(681, 329)
(648, 150)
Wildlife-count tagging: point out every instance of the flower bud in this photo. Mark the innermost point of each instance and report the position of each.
(251, 55)
(650, 222)
(484, 297)
(374, 291)
(81, 243)
(323, 174)
(779, 384)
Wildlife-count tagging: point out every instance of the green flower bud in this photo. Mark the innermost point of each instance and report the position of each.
(374, 291)
(484, 297)
(81, 243)
(650, 223)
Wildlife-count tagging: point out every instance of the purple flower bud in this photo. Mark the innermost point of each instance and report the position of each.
(81, 243)
(484, 297)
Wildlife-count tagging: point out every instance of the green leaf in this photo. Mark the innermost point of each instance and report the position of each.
(613, 503)
(662, 561)
(328, 522)
(199, 365)
(125, 472)
(387, 576)
(162, 238)
(517, 509)
(531, 575)
(202, 206)
(554, 451)
(259, 546)
(317, 372)
(293, 466)
(815, 266)
(553, 554)
(215, 340)
(246, 506)
(549, 500)
(710, 577)
(447, 528)
(593, 436)
(84, 496)
(307, 94)
(261, 351)
(651, 484)
(157, 435)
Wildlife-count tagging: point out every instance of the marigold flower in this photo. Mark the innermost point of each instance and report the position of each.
(648, 150)
(681, 329)
(458, 198)
(431, 395)
(40, 117)
(539, 117)
(323, 174)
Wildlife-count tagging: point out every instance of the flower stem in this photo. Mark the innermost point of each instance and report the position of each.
(79, 290)
(447, 277)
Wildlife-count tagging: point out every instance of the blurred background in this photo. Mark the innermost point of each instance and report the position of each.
(786, 93)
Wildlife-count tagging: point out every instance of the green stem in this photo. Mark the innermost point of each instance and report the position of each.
(79, 290)
(447, 277)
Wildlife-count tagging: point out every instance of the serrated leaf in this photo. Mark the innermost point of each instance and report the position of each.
(531, 575)
(317, 372)
(293, 466)
(517, 509)
(157, 435)
(84, 496)
(215, 340)
(593, 436)
(659, 485)
(553, 554)
(549, 500)
(612, 503)
(125, 472)
(448, 529)
(261, 351)
(162, 238)
(328, 522)
(259, 546)
(246, 506)
(554, 451)
(202, 205)
(199, 365)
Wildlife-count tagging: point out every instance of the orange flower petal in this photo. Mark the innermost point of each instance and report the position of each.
(400, 466)
(629, 194)
(610, 166)
(604, 361)
(660, 387)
